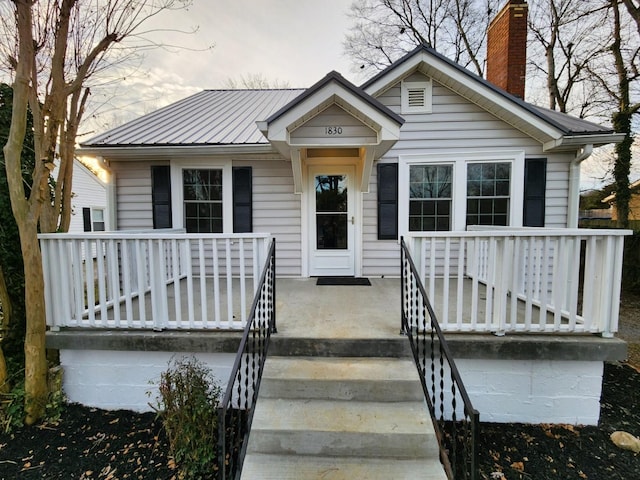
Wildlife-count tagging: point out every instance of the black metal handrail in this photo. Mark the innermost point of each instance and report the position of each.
(456, 423)
(236, 411)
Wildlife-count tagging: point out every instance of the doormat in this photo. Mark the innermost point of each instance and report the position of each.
(343, 281)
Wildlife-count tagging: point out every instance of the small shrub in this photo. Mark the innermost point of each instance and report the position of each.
(187, 405)
(12, 403)
(12, 408)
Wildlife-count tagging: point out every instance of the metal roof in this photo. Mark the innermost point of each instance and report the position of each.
(571, 125)
(211, 117)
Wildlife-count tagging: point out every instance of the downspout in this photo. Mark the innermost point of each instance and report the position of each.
(574, 184)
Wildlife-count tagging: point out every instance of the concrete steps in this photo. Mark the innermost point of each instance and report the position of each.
(341, 418)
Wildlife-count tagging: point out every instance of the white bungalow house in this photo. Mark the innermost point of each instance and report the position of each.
(482, 185)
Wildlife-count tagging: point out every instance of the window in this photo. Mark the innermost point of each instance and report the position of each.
(450, 191)
(488, 192)
(202, 194)
(416, 97)
(93, 219)
(430, 198)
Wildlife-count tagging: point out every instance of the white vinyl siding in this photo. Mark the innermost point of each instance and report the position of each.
(333, 126)
(133, 193)
(456, 125)
(276, 210)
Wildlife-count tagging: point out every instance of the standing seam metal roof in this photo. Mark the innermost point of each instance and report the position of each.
(210, 117)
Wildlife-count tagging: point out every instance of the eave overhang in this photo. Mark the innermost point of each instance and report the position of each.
(136, 152)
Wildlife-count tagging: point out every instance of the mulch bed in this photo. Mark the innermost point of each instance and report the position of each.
(540, 452)
(94, 444)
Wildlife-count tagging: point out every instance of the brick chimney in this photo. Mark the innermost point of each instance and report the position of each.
(507, 48)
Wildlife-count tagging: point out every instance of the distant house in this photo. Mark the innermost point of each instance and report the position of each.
(634, 203)
(89, 201)
(483, 186)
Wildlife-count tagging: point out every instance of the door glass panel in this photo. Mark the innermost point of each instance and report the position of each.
(331, 212)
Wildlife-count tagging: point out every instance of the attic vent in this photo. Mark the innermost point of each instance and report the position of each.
(416, 97)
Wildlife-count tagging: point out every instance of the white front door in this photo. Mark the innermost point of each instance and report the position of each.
(332, 221)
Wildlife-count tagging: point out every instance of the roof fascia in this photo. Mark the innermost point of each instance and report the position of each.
(172, 151)
(572, 142)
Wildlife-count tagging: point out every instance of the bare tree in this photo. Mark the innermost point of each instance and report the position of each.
(254, 81)
(53, 48)
(633, 7)
(566, 37)
(384, 30)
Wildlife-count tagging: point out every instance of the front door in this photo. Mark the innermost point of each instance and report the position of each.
(332, 232)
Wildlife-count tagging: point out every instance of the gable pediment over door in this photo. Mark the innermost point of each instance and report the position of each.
(332, 113)
(334, 126)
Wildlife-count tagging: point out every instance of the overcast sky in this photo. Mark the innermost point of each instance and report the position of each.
(292, 41)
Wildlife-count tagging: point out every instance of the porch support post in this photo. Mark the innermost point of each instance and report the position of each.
(574, 185)
(367, 165)
(296, 167)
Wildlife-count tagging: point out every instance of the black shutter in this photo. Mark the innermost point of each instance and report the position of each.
(535, 188)
(86, 218)
(242, 200)
(387, 201)
(161, 196)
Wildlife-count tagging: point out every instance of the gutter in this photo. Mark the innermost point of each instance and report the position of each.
(574, 184)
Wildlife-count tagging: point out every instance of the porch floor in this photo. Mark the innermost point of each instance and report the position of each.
(306, 310)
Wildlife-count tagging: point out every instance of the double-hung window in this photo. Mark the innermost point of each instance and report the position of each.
(488, 193)
(209, 196)
(202, 195)
(430, 196)
(452, 191)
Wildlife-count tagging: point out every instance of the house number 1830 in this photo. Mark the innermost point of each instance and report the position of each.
(333, 130)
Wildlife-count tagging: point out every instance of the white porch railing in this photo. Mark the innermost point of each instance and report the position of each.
(156, 280)
(523, 279)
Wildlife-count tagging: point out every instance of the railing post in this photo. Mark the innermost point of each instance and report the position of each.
(273, 287)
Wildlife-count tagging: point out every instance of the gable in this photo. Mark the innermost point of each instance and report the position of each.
(556, 131)
(333, 126)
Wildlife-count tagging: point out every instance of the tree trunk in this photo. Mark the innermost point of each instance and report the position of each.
(5, 303)
(34, 343)
(622, 167)
(622, 124)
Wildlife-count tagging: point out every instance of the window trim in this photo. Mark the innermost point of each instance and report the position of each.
(426, 86)
(459, 160)
(177, 197)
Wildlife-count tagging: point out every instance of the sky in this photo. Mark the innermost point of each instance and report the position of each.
(292, 41)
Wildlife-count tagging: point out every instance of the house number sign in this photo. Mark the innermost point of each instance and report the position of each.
(333, 130)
